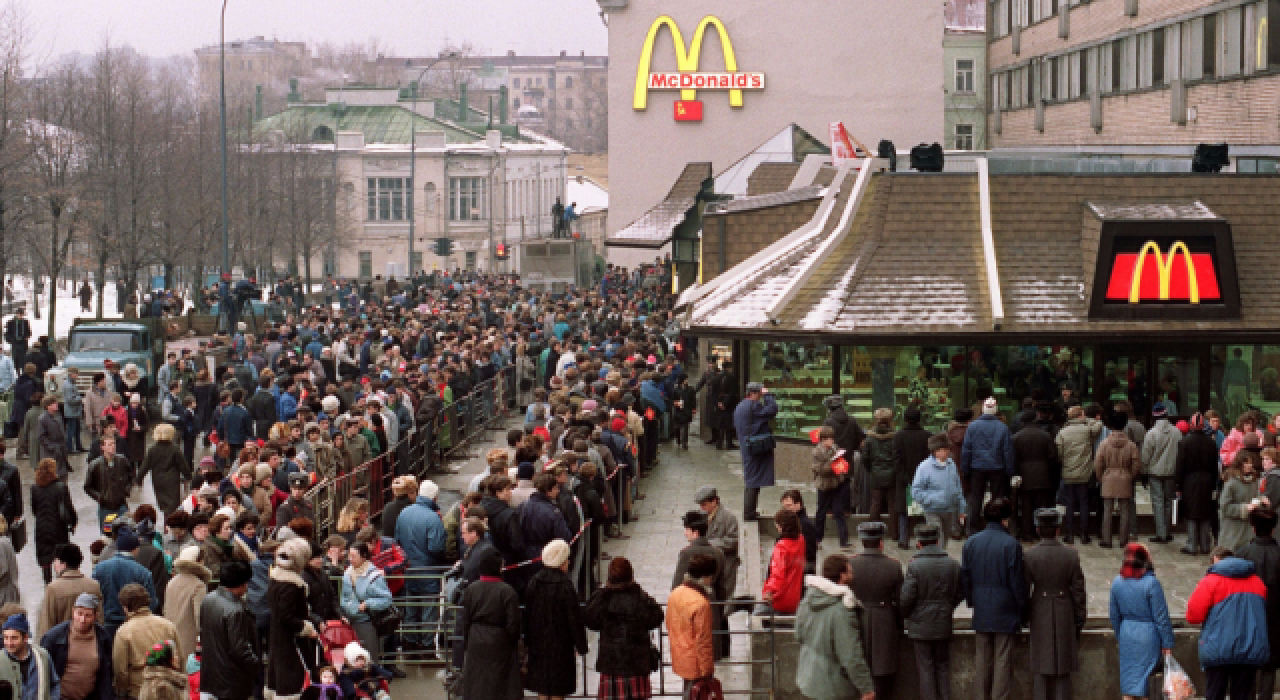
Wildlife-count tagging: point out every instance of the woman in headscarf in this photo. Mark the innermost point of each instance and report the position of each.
(135, 439)
(1140, 621)
(1236, 500)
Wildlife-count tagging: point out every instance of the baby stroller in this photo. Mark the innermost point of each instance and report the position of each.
(334, 638)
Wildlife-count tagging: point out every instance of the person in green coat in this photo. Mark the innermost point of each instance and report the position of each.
(831, 664)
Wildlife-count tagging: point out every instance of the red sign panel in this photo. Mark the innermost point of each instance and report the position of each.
(1153, 275)
(688, 110)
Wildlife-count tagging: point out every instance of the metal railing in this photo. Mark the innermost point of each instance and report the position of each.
(420, 451)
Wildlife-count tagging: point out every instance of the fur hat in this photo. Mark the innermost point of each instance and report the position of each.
(189, 553)
(428, 489)
(330, 404)
(990, 406)
(293, 554)
(263, 471)
(555, 554)
(355, 651)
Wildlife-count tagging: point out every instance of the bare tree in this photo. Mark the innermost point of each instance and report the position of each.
(14, 40)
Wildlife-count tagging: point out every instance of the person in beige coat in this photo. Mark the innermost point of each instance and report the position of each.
(134, 640)
(1117, 464)
(69, 582)
(183, 595)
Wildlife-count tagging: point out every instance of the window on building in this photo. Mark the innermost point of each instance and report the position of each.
(539, 82)
(471, 260)
(366, 264)
(964, 137)
(515, 83)
(1257, 165)
(516, 103)
(568, 103)
(466, 199)
(1157, 57)
(1210, 66)
(1232, 41)
(387, 198)
(964, 75)
(1269, 34)
(568, 81)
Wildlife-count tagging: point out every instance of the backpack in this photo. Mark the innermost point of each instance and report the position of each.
(390, 558)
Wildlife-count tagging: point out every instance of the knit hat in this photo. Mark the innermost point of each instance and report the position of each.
(1159, 410)
(355, 651)
(293, 554)
(428, 489)
(990, 406)
(208, 490)
(87, 600)
(330, 404)
(555, 554)
(127, 540)
(526, 470)
(227, 511)
(249, 469)
(190, 553)
(618, 424)
(262, 471)
(590, 405)
(18, 622)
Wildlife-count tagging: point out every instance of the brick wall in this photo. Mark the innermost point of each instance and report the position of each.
(747, 233)
(1236, 111)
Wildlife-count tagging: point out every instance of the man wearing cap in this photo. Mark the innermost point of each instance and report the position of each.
(229, 638)
(995, 588)
(27, 667)
(931, 591)
(751, 421)
(695, 533)
(135, 638)
(296, 505)
(80, 652)
(420, 532)
(1159, 463)
(67, 587)
(1056, 608)
(986, 459)
(119, 571)
(877, 582)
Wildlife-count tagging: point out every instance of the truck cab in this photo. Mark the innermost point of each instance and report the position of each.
(91, 342)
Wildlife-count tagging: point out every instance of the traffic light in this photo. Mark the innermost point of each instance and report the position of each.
(444, 247)
(500, 251)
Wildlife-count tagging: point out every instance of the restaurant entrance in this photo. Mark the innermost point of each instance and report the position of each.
(1175, 375)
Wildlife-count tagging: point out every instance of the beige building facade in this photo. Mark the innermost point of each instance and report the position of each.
(1133, 72)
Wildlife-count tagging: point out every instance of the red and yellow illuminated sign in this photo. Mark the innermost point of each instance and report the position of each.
(687, 79)
(1152, 276)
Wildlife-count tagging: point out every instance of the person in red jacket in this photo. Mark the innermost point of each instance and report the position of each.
(785, 584)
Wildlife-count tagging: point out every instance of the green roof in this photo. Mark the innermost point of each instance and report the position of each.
(380, 124)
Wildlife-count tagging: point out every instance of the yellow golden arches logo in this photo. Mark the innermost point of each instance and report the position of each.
(1164, 265)
(688, 80)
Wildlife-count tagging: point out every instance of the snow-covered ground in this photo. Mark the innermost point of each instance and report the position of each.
(68, 307)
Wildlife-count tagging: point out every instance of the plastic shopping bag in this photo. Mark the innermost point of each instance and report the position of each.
(1177, 684)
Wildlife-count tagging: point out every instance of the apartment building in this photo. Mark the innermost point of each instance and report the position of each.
(253, 64)
(1133, 72)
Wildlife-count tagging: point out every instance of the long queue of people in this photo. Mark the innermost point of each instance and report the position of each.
(233, 457)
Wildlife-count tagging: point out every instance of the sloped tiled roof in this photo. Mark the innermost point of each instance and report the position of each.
(655, 227)
(379, 124)
(775, 199)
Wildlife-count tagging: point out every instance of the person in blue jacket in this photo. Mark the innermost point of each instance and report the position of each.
(995, 587)
(1231, 604)
(236, 425)
(986, 459)
(421, 534)
(751, 419)
(1140, 621)
(938, 490)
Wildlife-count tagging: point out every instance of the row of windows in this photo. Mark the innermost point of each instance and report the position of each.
(1024, 13)
(1234, 42)
(391, 198)
(537, 82)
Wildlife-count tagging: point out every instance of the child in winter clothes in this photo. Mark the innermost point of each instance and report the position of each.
(362, 678)
(938, 490)
(833, 487)
(161, 679)
(328, 687)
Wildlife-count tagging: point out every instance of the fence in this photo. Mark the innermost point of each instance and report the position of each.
(420, 451)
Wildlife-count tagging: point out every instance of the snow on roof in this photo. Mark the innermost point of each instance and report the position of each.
(588, 193)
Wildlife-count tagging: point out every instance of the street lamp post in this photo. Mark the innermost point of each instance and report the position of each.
(222, 108)
(413, 155)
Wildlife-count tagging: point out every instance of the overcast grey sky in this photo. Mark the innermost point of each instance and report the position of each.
(406, 27)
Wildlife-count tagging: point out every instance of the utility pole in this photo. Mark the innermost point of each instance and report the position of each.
(222, 103)
(413, 152)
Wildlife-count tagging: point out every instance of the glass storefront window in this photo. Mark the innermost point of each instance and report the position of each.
(1244, 377)
(896, 377)
(1018, 372)
(1125, 379)
(1178, 384)
(799, 375)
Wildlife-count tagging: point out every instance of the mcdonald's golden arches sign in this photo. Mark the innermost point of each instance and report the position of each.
(687, 78)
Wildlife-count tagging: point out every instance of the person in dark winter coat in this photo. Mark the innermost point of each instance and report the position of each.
(684, 403)
(877, 582)
(849, 437)
(986, 460)
(995, 587)
(1230, 604)
(169, 469)
(930, 593)
(1264, 553)
(911, 447)
(541, 521)
(624, 614)
(478, 549)
(553, 629)
(57, 641)
(406, 490)
(489, 623)
(291, 635)
(54, 514)
(1057, 608)
(880, 459)
(1196, 478)
(228, 636)
(503, 522)
(751, 420)
(1035, 458)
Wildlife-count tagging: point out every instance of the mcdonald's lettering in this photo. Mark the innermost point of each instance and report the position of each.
(1152, 276)
(687, 79)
